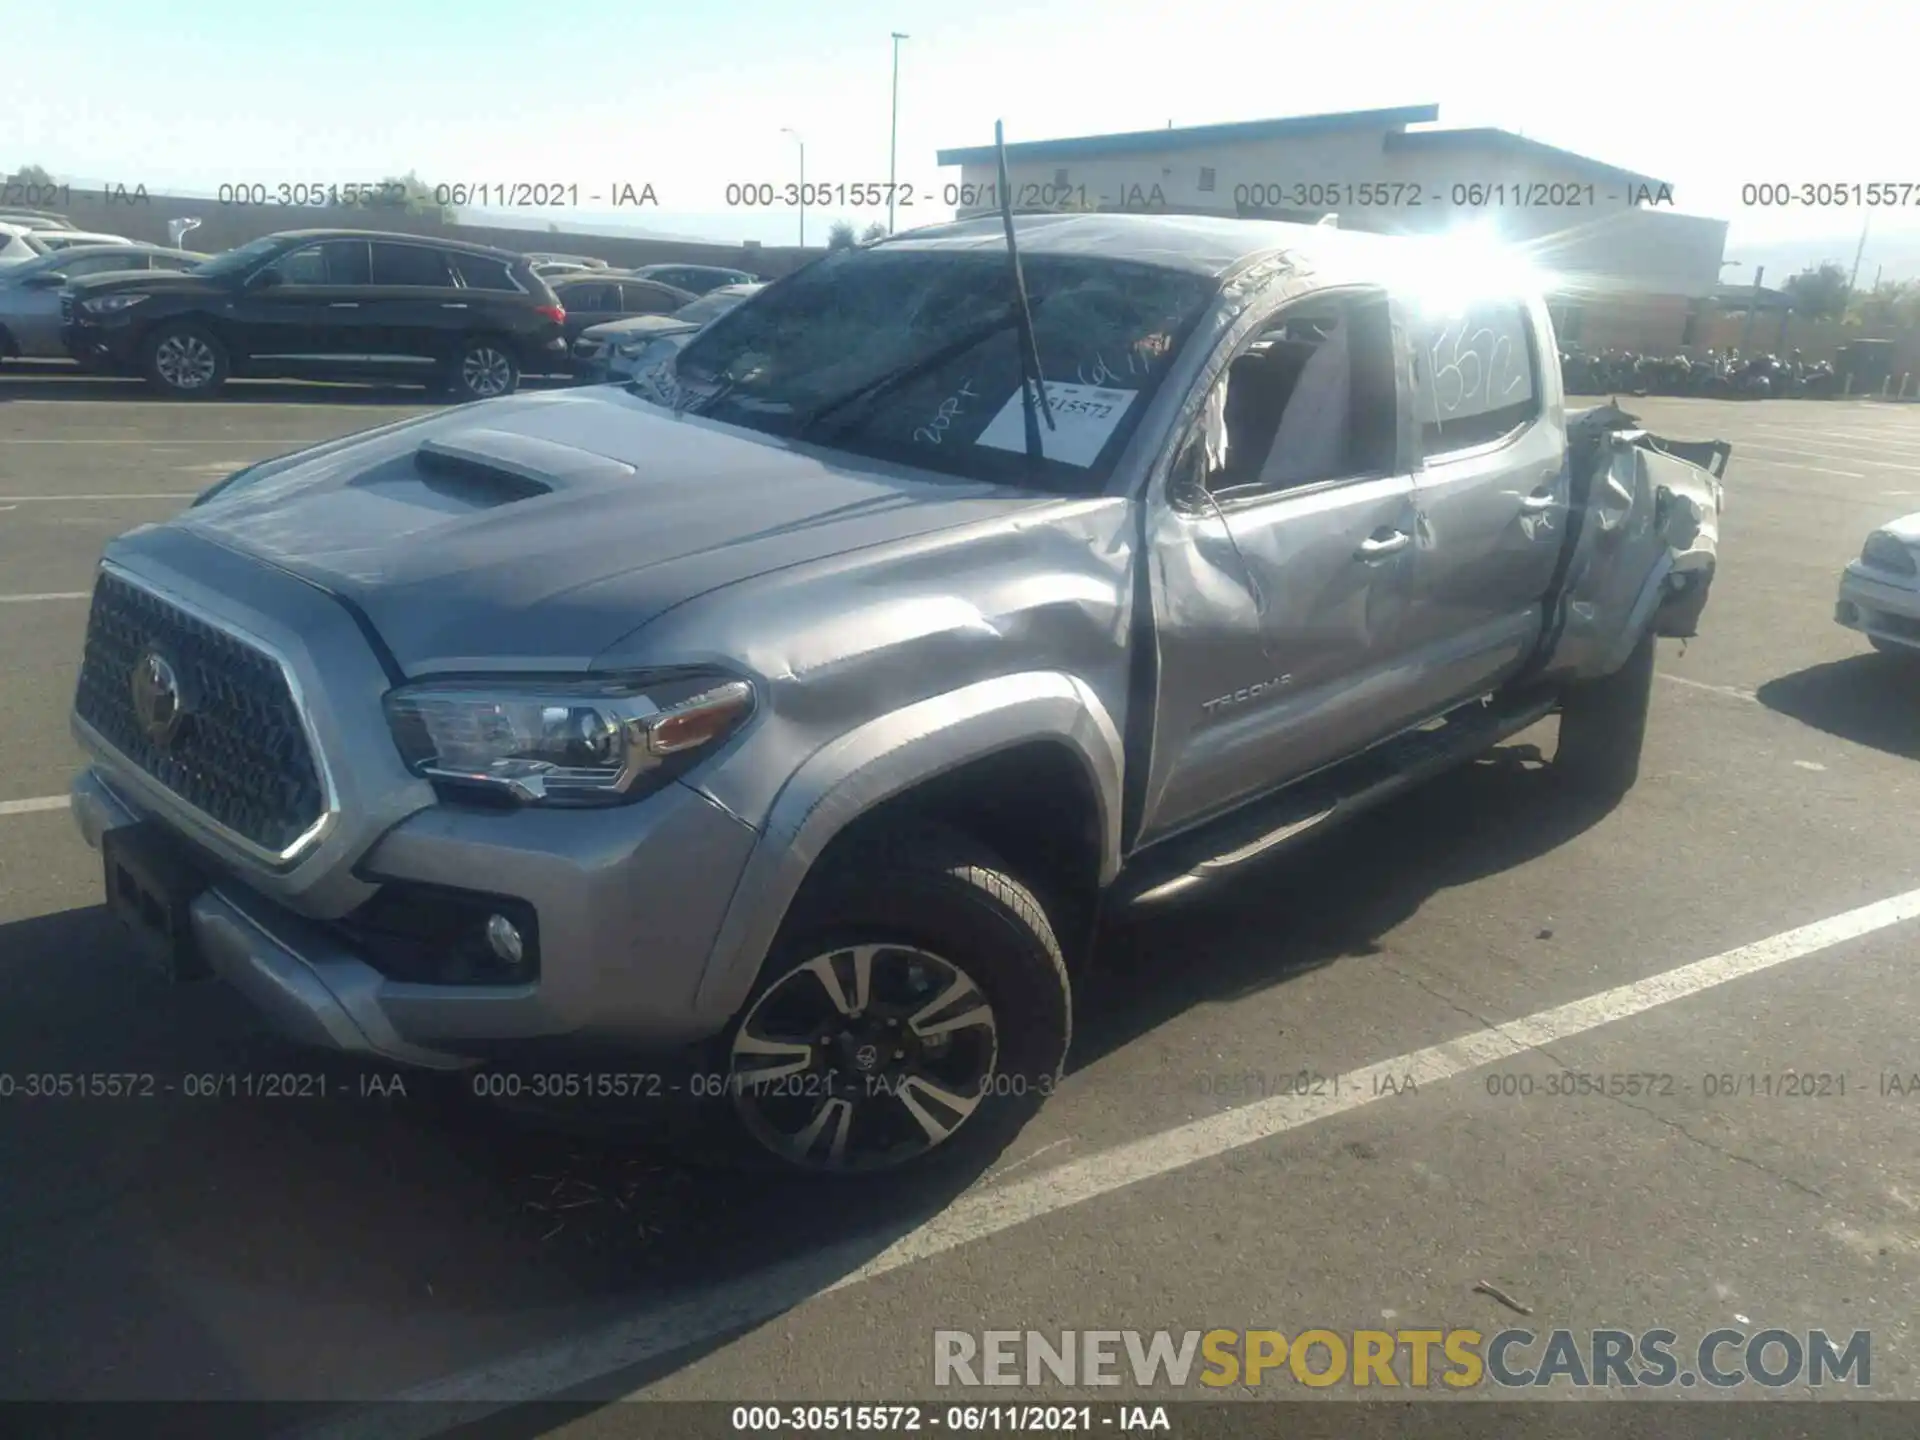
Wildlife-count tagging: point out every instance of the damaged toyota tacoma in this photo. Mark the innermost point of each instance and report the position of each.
(798, 713)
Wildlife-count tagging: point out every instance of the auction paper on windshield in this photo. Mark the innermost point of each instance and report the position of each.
(1083, 416)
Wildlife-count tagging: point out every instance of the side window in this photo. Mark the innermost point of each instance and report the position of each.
(590, 298)
(409, 265)
(1310, 399)
(478, 272)
(332, 262)
(641, 298)
(1474, 375)
(99, 264)
(679, 279)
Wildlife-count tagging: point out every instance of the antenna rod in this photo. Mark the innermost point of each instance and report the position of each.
(1032, 387)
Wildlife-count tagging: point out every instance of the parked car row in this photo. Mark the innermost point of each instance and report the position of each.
(465, 319)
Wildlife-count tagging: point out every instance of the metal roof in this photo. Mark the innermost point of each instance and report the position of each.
(1087, 147)
(1516, 145)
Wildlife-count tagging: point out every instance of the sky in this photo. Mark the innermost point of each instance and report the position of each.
(691, 98)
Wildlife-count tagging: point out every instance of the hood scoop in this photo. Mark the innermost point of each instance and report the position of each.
(500, 467)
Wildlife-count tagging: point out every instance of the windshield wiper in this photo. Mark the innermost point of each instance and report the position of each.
(887, 380)
(1033, 390)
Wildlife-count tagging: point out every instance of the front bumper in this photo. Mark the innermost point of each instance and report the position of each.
(1878, 608)
(629, 899)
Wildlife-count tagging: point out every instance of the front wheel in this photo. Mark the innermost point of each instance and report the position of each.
(1603, 726)
(185, 362)
(482, 369)
(915, 1013)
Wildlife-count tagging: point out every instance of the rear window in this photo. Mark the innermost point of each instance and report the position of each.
(1474, 374)
(479, 272)
(1107, 332)
(409, 265)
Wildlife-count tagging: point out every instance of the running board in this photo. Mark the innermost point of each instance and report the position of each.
(1187, 865)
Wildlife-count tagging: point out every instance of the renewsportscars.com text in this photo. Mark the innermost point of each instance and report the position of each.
(1415, 1359)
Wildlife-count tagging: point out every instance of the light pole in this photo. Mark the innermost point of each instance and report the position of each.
(893, 131)
(789, 130)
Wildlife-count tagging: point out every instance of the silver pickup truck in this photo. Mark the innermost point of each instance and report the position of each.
(799, 720)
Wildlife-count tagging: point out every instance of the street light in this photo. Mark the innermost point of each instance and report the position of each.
(893, 132)
(789, 130)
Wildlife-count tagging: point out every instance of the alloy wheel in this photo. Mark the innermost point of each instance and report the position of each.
(185, 362)
(864, 1058)
(485, 372)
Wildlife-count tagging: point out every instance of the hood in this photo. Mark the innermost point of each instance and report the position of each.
(540, 529)
(1906, 529)
(171, 282)
(614, 331)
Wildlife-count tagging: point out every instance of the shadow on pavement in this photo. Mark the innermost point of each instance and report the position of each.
(1869, 699)
(1331, 902)
(216, 1245)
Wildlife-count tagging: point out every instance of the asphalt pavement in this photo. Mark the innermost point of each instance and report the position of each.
(1746, 914)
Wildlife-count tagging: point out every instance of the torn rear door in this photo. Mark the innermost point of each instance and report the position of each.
(1641, 546)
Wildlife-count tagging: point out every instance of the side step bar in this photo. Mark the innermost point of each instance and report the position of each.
(1185, 866)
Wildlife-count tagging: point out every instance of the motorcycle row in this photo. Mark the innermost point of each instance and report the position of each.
(1722, 376)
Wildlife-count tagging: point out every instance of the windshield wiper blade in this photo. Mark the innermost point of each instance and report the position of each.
(1033, 389)
(892, 379)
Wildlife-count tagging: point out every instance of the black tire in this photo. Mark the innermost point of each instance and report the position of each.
(922, 895)
(1603, 726)
(178, 351)
(482, 367)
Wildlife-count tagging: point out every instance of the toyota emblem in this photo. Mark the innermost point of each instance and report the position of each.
(867, 1056)
(157, 700)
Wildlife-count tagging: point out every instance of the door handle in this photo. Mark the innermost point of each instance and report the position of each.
(1376, 548)
(453, 305)
(344, 305)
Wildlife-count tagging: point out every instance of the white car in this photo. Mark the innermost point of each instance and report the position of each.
(620, 349)
(1880, 592)
(18, 243)
(67, 239)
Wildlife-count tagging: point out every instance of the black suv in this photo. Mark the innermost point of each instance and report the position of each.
(464, 319)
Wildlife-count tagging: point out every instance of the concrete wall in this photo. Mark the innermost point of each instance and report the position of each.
(224, 226)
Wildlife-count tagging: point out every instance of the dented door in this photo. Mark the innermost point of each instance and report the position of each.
(1642, 550)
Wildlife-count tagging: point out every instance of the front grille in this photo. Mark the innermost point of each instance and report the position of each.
(240, 754)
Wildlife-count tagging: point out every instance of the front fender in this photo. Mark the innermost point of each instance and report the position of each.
(883, 758)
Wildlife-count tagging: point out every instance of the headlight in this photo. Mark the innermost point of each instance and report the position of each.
(108, 304)
(1886, 552)
(566, 742)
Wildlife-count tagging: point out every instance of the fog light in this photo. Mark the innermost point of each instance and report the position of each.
(503, 938)
(1678, 583)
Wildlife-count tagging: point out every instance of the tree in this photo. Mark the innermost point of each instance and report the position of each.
(414, 196)
(32, 177)
(840, 235)
(1819, 291)
(873, 232)
(1893, 305)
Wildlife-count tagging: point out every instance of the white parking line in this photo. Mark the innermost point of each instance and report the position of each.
(139, 440)
(29, 807)
(753, 1299)
(44, 595)
(127, 495)
(1733, 691)
(1814, 469)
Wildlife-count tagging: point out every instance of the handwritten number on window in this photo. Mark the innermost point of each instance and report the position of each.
(934, 431)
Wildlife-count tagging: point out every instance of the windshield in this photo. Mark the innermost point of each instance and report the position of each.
(233, 262)
(708, 306)
(1106, 332)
